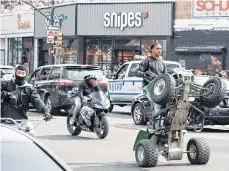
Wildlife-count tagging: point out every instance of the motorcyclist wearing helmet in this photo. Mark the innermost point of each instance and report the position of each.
(85, 88)
(17, 94)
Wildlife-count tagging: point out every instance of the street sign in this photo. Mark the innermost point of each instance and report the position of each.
(50, 36)
(53, 28)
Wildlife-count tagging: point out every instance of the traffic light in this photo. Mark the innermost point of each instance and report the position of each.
(59, 39)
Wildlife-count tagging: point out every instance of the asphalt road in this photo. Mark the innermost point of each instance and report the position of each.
(88, 153)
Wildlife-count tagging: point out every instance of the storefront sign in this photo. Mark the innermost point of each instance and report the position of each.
(23, 24)
(210, 8)
(122, 20)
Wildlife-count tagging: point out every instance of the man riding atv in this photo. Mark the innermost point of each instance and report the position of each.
(177, 93)
(16, 94)
(85, 88)
(148, 69)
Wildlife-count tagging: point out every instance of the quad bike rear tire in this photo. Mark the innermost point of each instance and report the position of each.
(199, 151)
(146, 153)
(73, 131)
(168, 90)
(218, 93)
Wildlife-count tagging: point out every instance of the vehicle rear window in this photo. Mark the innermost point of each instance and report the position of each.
(80, 73)
(8, 70)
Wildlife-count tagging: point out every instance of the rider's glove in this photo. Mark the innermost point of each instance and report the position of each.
(150, 75)
(12, 99)
(47, 117)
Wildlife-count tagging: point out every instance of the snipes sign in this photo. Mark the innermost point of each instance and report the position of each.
(210, 8)
(122, 20)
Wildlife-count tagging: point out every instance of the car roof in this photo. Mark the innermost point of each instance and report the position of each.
(165, 61)
(10, 134)
(69, 65)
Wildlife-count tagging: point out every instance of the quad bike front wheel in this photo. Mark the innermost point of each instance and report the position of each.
(198, 151)
(214, 93)
(101, 126)
(146, 153)
(162, 89)
(74, 130)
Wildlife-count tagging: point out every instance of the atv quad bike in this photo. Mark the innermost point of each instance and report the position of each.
(176, 92)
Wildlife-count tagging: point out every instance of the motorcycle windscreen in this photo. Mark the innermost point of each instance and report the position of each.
(10, 111)
(99, 95)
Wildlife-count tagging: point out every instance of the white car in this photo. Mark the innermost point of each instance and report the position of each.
(9, 72)
(124, 85)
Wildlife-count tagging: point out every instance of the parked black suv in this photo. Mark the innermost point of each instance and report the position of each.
(54, 82)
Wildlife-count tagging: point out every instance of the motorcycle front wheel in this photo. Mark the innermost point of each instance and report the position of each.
(74, 130)
(101, 126)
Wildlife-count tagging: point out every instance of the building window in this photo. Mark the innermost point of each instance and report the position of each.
(21, 52)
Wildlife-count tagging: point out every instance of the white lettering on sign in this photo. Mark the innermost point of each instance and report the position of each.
(122, 19)
(210, 8)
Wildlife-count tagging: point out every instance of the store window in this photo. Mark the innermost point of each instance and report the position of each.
(21, 52)
(2, 51)
(202, 64)
(109, 54)
(70, 51)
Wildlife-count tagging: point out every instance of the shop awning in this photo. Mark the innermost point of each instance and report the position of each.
(199, 48)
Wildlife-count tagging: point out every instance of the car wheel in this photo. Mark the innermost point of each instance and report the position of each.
(48, 103)
(137, 115)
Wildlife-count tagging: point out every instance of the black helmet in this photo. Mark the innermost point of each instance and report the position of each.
(88, 77)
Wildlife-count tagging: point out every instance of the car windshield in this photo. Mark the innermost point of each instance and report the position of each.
(20, 153)
(170, 67)
(79, 73)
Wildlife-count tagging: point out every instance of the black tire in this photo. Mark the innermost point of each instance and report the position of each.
(168, 92)
(217, 96)
(202, 151)
(138, 108)
(105, 123)
(150, 153)
(52, 110)
(111, 108)
(73, 131)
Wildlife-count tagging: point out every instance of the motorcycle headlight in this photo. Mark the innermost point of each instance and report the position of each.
(98, 106)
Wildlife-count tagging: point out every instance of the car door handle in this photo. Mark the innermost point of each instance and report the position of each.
(133, 83)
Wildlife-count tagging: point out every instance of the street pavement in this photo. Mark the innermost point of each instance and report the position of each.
(86, 152)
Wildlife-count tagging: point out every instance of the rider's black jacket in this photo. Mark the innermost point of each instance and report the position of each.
(150, 64)
(25, 94)
(86, 89)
